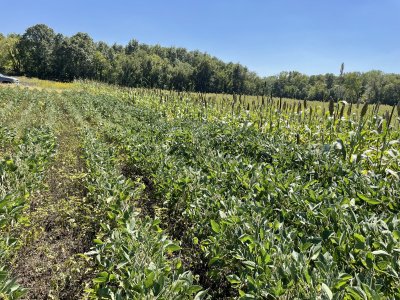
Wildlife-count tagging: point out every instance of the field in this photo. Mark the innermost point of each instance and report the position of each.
(116, 193)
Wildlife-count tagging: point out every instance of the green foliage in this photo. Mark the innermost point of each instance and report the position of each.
(20, 174)
(201, 196)
(35, 49)
(42, 53)
(9, 60)
(134, 256)
(270, 216)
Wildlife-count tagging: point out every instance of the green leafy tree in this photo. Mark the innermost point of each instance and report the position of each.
(132, 47)
(81, 56)
(42, 53)
(375, 82)
(181, 75)
(203, 75)
(391, 91)
(35, 50)
(130, 72)
(279, 85)
(353, 86)
(101, 66)
(9, 58)
(238, 79)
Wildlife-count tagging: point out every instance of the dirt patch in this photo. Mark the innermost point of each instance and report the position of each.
(148, 201)
(62, 225)
(219, 287)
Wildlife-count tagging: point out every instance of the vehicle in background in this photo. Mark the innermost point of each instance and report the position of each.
(8, 79)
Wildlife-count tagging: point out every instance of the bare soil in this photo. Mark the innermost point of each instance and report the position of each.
(62, 225)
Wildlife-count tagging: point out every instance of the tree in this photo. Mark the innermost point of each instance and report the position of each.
(318, 91)
(101, 66)
(329, 80)
(180, 76)
(391, 91)
(268, 86)
(132, 47)
(375, 82)
(203, 75)
(238, 79)
(353, 86)
(9, 58)
(279, 84)
(36, 49)
(75, 57)
(130, 71)
(341, 69)
(42, 53)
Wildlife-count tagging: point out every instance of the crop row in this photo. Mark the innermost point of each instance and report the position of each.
(22, 164)
(259, 212)
(197, 196)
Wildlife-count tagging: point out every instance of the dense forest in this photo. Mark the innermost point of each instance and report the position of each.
(41, 52)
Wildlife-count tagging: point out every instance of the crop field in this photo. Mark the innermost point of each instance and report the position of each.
(117, 193)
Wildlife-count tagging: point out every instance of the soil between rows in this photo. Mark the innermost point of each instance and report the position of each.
(62, 225)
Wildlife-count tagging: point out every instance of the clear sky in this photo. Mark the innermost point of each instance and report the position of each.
(268, 36)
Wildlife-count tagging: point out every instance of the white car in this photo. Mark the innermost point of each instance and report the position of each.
(8, 79)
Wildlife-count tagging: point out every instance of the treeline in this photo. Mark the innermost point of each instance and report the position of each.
(42, 53)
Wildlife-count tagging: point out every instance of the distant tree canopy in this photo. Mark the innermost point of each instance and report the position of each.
(42, 53)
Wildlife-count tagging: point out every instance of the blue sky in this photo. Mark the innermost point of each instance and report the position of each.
(310, 36)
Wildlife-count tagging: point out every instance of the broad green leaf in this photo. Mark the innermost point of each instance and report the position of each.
(222, 214)
(215, 226)
(369, 260)
(200, 295)
(214, 260)
(327, 291)
(245, 238)
(171, 247)
(101, 278)
(380, 252)
(149, 280)
(393, 173)
(194, 289)
(342, 280)
(359, 238)
(249, 264)
(233, 279)
(307, 276)
(122, 264)
(367, 199)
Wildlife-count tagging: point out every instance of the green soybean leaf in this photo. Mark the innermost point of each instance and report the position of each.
(245, 238)
(171, 247)
(215, 226)
(149, 280)
(380, 252)
(327, 291)
(359, 238)
(194, 289)
(233, 279)
(250, 264)
(367, 199)
(342, 280)
(393, 173)
(98, 241)
(200, 295)
(101, 278)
